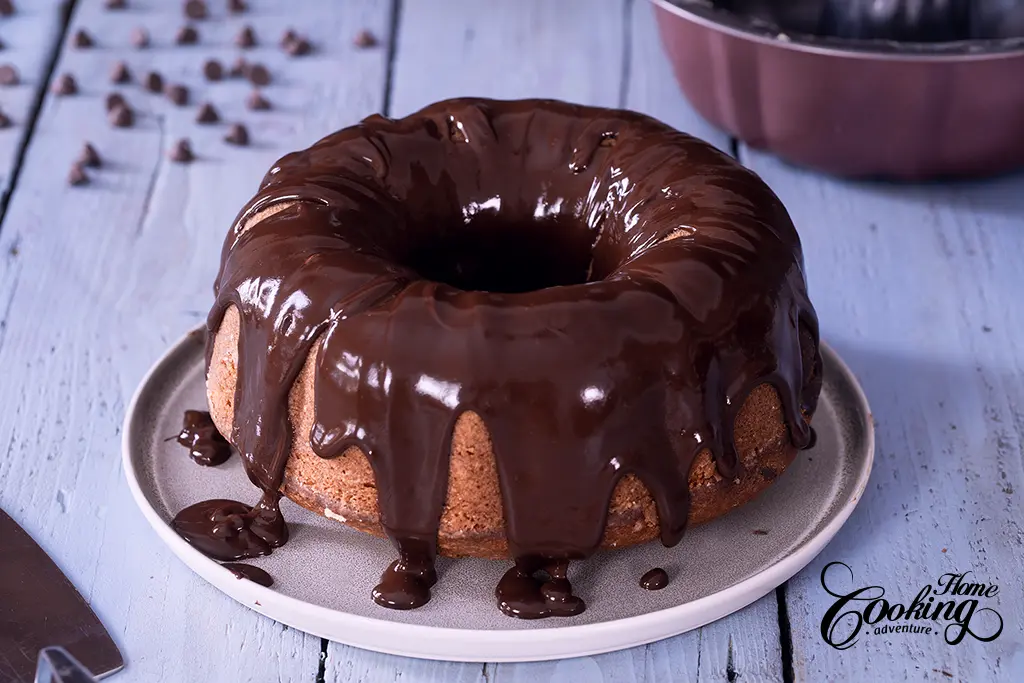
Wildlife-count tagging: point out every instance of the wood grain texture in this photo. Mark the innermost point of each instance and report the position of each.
(97, 281)
(30, 37)
(603, 53)
(918, 288)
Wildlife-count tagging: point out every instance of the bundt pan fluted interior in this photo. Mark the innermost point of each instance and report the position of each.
(904, 89)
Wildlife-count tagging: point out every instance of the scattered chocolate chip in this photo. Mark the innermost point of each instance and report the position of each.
(257, 102)
(8, 75)
(77, 175)
(298, 47)
(154, 82)
(115, 100)
(120, 73)
(5, 120)
(6, 8)
(258, 74)
(213, 70)
(237, 135)
(289, 36)
(239, 68)
(178, 94)
(182, 152)
(65, 85)
(89, 157)
(760, 532)
(187, 35)
(365, 39)
(207, 114)
(116, 4)
(246, 37)
(140, 37)
(195, 9)
(122, 116)
(82, 39)
(237, 6)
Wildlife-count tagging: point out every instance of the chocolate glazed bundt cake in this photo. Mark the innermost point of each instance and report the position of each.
(518, 330)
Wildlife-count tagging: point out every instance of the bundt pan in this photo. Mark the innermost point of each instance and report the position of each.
(904, 89)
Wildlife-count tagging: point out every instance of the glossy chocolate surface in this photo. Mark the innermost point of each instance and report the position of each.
(206, 446)
(654, 580)
(247, 571)
(511, 258)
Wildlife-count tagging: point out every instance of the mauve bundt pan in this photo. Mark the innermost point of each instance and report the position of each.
(904, 89)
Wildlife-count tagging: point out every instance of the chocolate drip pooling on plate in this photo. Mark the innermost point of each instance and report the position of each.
(654, 579)
(206, 446)
(512, 259)
(247, 571)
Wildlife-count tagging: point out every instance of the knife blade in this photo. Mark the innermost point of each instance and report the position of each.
(39, 607)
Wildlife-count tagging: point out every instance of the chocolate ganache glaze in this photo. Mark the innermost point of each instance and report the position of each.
(206, 446)
(604, 291)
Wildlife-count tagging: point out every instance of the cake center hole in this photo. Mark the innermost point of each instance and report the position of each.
(490, 252)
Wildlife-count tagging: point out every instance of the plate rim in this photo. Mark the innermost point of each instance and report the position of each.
(487, 645)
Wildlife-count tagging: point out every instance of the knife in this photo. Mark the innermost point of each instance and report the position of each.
(39, 607)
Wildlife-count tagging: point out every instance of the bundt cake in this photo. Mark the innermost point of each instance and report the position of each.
(521, 329)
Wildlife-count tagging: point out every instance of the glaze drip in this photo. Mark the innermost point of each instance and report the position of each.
(654, 580)
(523, 594)
(634, 364)
(247, 571)
(206, 446)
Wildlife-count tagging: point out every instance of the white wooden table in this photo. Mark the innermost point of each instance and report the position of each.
(917, 287)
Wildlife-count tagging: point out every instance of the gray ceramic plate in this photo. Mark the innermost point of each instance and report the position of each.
(324, 575)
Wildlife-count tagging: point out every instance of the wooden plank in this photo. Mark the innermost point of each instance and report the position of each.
(918, 288)
(570, 50)
(98, 280)
(30, 38)
(450, 49)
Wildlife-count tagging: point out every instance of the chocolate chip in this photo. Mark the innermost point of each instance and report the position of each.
(258, 74)
(6, 8)
(178, 94)
(120, 73)
(195, 9)
(257, 102)
(65, 85)
(246, 37)
(365, 39)
(77, 175)
(82, 39)
(154, 82)
(115, 100)
(237, 135)
(207, 114)
(187, 35)
(5, 120)
(298, 47)
(140, 37)
(239, 68)
(89, 157)
(182, 152)
(8, 75)
(122, 116)
(213, 70)
(116, 4)
(237, 6)
(289, 36)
